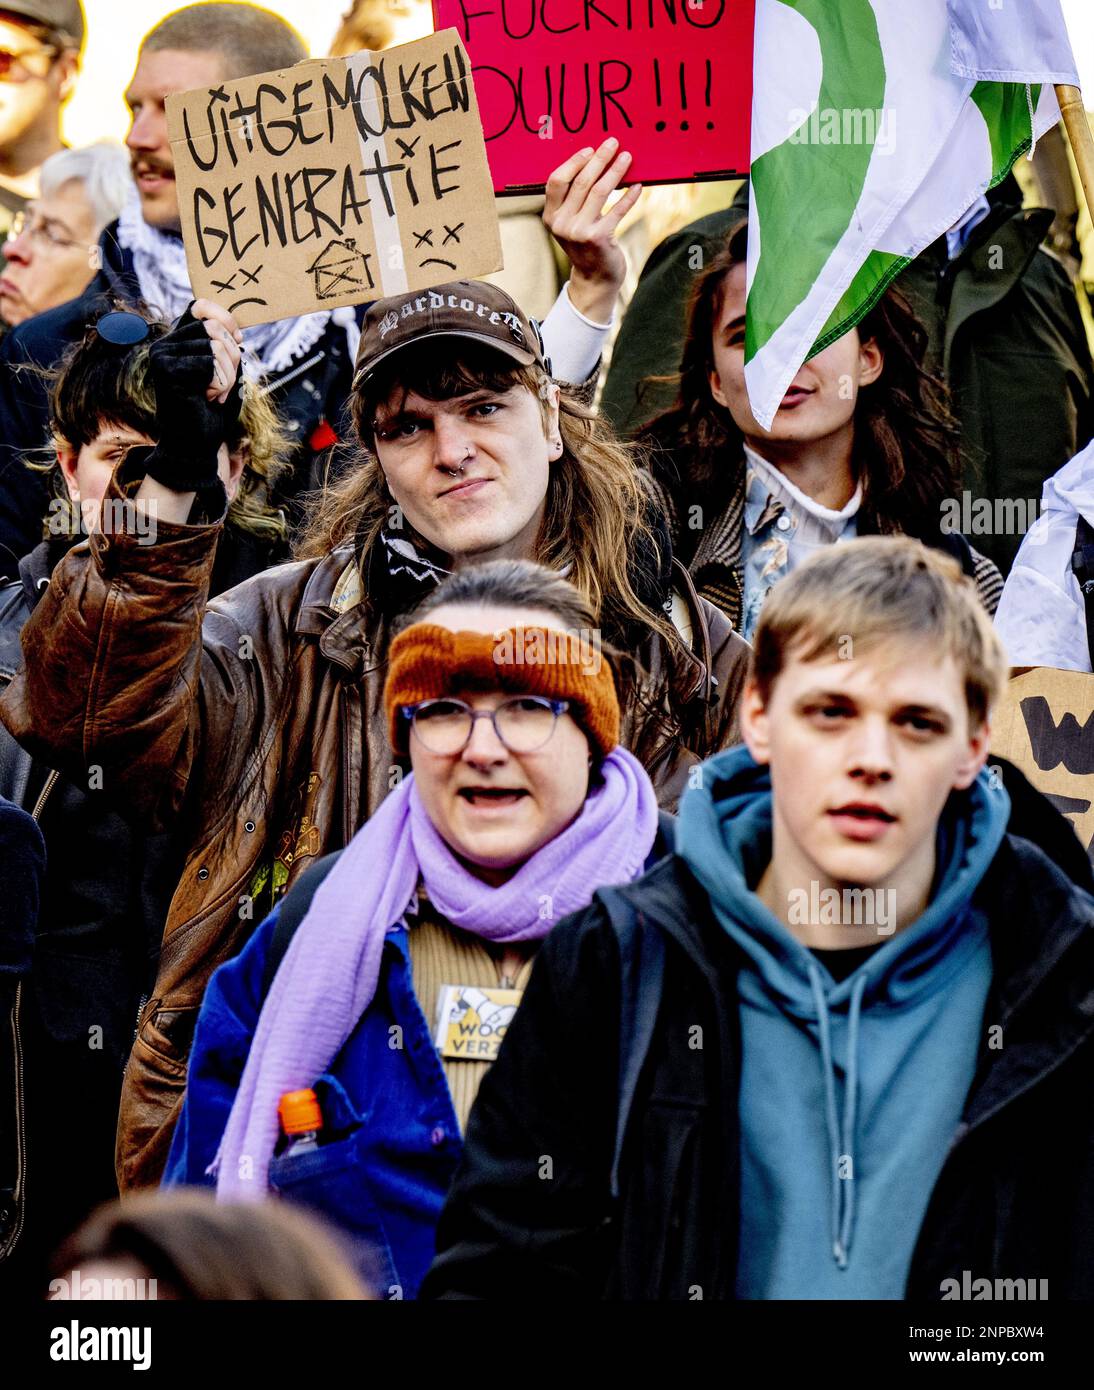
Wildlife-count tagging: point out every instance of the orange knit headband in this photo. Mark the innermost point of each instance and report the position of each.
(427, 662)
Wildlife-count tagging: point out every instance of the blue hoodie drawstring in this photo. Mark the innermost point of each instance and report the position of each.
(841, 1140)
(829, 1105)
(850, 1115)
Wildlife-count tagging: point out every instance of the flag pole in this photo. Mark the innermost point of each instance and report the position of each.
(1079, 137)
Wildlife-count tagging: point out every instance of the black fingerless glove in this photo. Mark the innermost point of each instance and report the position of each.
(190, 429)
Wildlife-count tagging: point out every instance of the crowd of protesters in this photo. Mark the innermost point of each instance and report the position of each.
(544, 827)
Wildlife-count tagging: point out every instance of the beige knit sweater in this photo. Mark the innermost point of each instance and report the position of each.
(441, 954)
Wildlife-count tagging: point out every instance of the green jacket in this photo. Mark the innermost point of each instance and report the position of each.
(1007, 334)
(650, 340)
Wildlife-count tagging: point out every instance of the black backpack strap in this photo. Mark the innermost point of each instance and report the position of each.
(642, 972)
(1082, 562)
(293, 910)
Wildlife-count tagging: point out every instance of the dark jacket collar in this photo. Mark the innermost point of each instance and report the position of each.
(995, 258)
(1042, 940)
(116, 273)
(333, 608)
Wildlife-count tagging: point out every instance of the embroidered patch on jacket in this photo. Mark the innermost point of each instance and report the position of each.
(302, 839)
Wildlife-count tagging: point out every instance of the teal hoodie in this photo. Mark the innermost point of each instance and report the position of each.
(851, 1092)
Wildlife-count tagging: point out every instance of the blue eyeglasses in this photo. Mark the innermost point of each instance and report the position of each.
(523, 724)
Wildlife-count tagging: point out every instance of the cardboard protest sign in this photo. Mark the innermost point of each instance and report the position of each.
(671, 79)
(1045, 725)
(334, 182)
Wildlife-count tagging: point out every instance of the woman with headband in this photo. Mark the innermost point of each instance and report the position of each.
(393, 993)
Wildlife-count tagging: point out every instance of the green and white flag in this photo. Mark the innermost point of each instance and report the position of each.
(873, 132)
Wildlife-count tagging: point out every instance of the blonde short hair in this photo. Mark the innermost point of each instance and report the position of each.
(879, 591)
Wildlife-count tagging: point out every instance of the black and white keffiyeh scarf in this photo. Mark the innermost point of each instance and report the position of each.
(159, 261)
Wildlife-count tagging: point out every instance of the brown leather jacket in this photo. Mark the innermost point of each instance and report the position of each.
(258, 721)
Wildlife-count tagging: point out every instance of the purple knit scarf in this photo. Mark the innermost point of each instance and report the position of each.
(328, 977)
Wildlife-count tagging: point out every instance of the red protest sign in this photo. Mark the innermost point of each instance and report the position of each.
(671, 79)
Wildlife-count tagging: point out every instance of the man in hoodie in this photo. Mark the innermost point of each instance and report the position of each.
(824, 1050)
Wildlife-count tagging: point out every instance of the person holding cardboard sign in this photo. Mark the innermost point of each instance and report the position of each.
(306, 361)
(257, 727)
(520, 804)
(307, 364)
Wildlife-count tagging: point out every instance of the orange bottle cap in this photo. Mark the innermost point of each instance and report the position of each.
(299, 1112)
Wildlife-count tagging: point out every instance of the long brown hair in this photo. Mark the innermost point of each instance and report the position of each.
(905, 440)
(598, 524)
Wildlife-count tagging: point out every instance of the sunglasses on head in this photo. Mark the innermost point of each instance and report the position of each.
(122, 329)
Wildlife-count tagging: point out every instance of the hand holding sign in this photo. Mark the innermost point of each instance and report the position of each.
(192, 368)
(574, 213)
(334, 182)
(227, 338)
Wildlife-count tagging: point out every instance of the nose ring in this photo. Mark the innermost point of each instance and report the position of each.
(458, 472)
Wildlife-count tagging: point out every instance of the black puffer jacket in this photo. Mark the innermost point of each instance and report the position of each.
(602, 1153)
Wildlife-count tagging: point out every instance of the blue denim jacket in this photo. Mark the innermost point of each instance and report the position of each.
(395, 1139)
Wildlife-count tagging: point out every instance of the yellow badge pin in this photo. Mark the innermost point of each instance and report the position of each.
(473, 1020)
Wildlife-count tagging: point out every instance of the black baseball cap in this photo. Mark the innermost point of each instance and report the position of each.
(459, 309)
